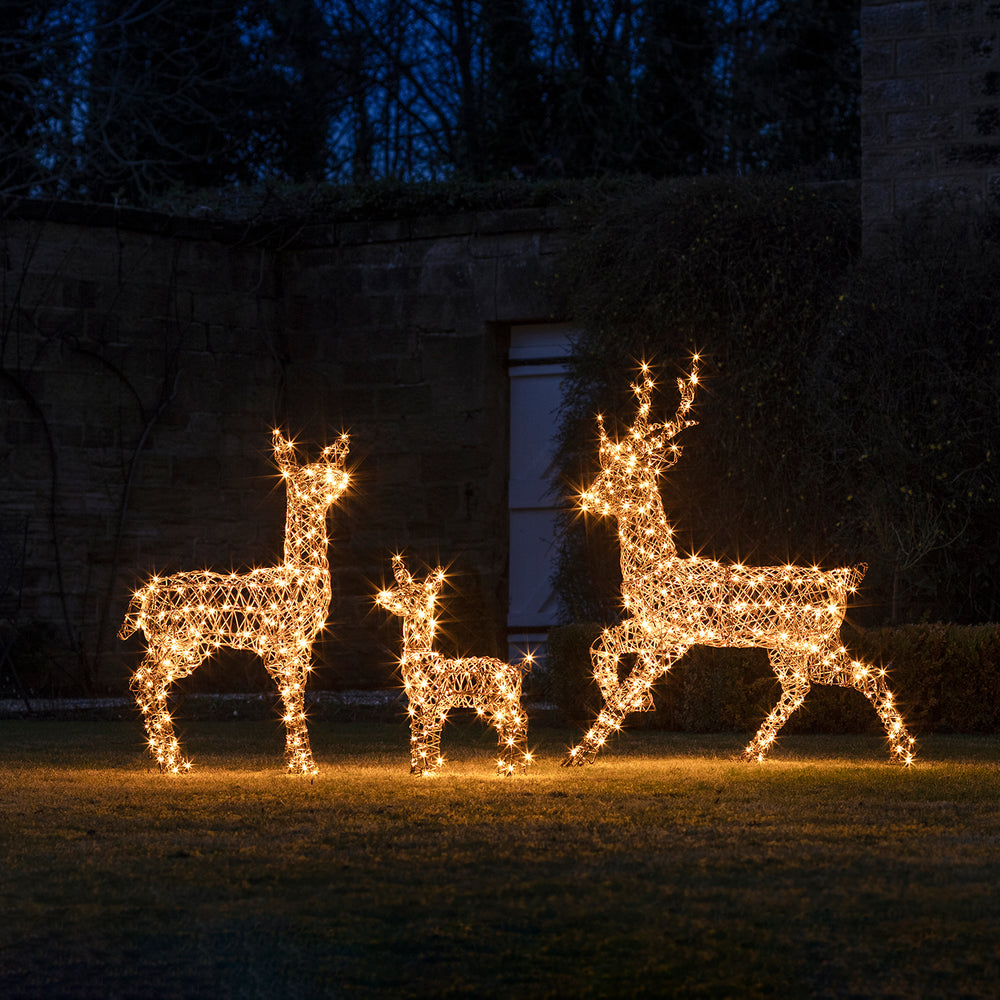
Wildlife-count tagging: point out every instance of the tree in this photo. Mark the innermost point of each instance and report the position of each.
(38, 57)
(590, 105)
(129, 99)
(165, 98)
(804, 86)
(302, 70)
(515, 113)
(676, 91)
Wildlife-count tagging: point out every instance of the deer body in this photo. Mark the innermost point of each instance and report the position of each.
(673, 602)
(274, 611)
(436, 684)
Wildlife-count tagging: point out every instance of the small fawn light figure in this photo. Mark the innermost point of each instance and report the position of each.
(673, 603)
(274, 611)
(436, 684)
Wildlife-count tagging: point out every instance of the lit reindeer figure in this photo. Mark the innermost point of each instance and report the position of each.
(275, 611)
(674, 603)
(435, 684)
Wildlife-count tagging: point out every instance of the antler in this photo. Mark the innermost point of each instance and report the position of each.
(686, 387)
(642, 429)
(643, 393)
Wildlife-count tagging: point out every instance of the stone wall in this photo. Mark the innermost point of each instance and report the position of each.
(145, 359)
(930, 108)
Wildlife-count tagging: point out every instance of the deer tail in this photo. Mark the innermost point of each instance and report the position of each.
(849, 578)
(131, 623)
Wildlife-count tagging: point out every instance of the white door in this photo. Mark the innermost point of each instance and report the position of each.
(537, 365)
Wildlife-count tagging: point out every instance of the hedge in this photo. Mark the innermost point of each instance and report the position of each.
(946, 679)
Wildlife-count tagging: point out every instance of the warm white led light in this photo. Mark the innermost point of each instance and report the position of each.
(275, 611)
(674, 602)
(435, 684)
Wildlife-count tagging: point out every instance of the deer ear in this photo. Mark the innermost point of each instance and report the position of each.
(284, 451)
(399, 570)
(338, 450)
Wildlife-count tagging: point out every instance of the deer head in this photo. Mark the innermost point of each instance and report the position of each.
(413, 600)
(630, 466)
(317, 483)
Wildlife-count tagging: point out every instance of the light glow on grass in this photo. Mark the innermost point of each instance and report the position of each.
(274, 611)
(669, 866)
(672, 603)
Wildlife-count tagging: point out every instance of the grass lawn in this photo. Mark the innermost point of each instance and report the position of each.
(665, 869)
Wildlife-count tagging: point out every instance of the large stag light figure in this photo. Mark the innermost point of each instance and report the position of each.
(436, 684)
(274, 611)
(674, 602)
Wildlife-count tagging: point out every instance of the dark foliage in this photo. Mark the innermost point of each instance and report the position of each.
(849, 407)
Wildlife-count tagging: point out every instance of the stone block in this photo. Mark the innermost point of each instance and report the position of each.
(974, 155)
(983, 84)
(445, 268)
(502, 245)
(409, 405)
(872, 132)
(909, 127)
(397, 279)
(80, 293)
(891, 20)
(878, 60)
(67, 435)
(953, 15)
(436, 313)
(980, 51)
(982, 122)
(105, 435)
(930, 54)
(946, 90)
(513, 290)
(517, 220)
(440, 227)
(894, 95)
(888, 164)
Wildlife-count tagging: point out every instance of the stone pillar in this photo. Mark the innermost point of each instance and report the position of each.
(930, 109)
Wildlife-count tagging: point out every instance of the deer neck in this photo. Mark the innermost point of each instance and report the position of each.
(418, 639)
(645, 537)
(306, 540)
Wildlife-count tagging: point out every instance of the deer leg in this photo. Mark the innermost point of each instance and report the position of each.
(512, 727)
(151, 684)
(630, 695)
(426, 722)
(290, 677)
(870, 681)
(792, 670)
(606, 656)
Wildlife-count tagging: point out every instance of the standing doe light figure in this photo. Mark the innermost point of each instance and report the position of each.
(436, 684)
(674, 603)
(275, 611)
